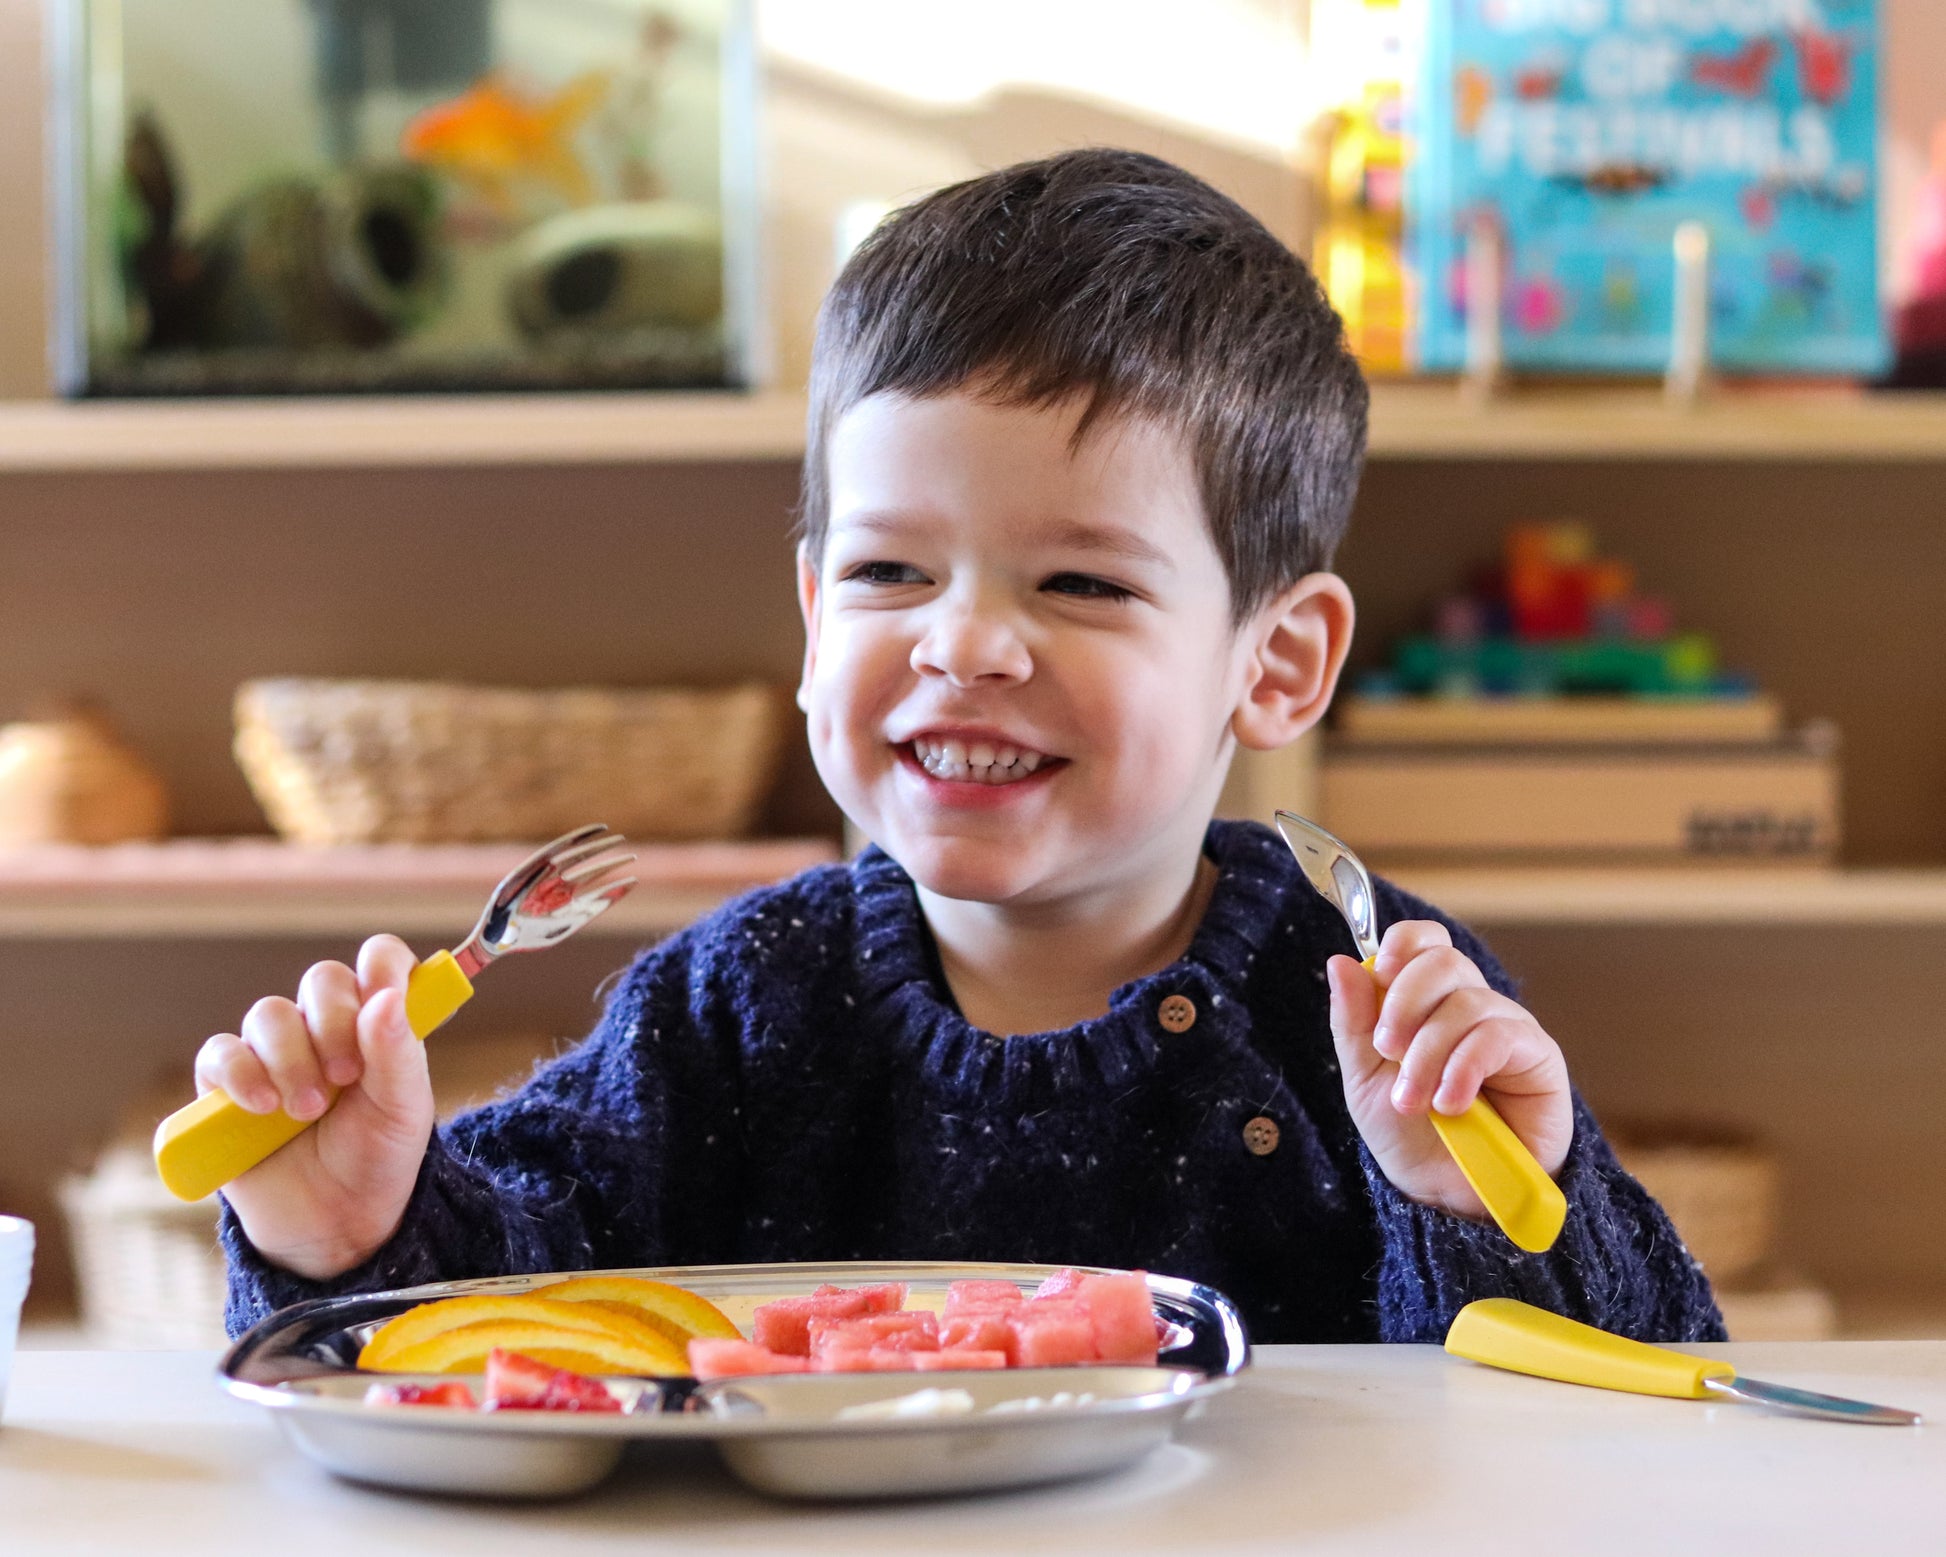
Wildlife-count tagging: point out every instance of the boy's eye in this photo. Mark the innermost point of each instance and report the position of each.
(1086, 586)
(885, 573)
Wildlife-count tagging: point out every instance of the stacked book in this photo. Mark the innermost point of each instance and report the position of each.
(1622, 780)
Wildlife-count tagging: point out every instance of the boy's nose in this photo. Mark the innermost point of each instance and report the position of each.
(967, 645)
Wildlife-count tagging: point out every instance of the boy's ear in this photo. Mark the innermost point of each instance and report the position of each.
(1299, 642)
(808, 601)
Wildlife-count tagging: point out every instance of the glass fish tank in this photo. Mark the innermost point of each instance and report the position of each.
(341, 196)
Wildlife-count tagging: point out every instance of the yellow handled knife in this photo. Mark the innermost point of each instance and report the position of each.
(1506, 1333)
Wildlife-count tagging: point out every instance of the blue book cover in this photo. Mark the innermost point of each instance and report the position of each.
(1588, 129)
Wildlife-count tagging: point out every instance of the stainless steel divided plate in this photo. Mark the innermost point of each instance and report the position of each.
(827, 1435)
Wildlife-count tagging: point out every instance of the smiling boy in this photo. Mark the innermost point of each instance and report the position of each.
(1083, 438)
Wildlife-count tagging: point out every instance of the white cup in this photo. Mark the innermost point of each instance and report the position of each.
(16, 1266)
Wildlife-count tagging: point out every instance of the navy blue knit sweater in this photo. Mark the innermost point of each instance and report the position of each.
(789, 1079)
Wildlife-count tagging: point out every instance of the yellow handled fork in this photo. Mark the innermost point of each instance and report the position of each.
(1515, 1189)
(541, 902)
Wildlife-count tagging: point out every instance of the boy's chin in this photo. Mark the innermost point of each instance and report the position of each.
(968, 873)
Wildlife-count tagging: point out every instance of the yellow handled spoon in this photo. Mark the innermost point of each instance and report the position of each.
(1506, 1333)
(1515, 1189)
(542, 901)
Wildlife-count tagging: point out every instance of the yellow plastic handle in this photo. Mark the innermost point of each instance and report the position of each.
(1506, 1333)
(200, 1148)
(1528, 1205)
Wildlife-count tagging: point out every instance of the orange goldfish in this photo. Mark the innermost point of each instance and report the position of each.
(494, 137)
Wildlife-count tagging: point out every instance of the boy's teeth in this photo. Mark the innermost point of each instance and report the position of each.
(978, 761)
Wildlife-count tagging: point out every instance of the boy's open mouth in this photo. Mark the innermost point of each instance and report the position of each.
(953, 759)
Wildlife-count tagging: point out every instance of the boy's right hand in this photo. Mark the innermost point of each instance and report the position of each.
(329, 1199)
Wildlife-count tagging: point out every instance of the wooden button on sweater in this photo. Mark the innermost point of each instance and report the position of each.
(1260, 1136)
(1177, 1013)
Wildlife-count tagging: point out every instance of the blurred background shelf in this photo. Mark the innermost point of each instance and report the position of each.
(258, 887)
(1430, 421)
(1434, 421)
(1677, 895)
(255, 888)
(381, 431)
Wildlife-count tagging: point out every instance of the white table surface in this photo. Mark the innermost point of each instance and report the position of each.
(1351, 1449)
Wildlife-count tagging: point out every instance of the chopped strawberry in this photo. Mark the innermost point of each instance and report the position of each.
(514, 1380)
(452, 1393)
(517, 1383)
(718, 1359)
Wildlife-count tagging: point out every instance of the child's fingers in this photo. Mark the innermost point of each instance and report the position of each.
(1433, 1042)
(1404, 941)
(1416, 990)
(328, 997)
(396, 1078)
(1485, 1051)
(384, 962)
(275, 1032)
(226, 1063)
(1354, 1007)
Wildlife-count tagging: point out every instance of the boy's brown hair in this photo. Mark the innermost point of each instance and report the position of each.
(1119, 277)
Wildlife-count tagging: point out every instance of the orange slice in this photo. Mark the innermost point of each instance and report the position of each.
(673, 1311)
(464, 1350)
(417, 1325)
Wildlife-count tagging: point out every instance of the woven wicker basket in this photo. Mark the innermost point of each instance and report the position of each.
(418, 762)
(151, 1272)
(1718, 1185)
(152, 1275)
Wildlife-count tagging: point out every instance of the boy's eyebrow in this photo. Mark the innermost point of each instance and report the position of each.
(1112, 540)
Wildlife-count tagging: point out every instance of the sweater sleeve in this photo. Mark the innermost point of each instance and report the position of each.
(621, 1152)
(1618, 1263)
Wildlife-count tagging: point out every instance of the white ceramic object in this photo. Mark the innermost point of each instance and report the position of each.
(16, 1267)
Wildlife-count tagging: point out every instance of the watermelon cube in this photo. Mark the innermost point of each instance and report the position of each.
(963, 1295)
(876, 1359)
(785, 1325)
(987, 1332)
(716, 1359)
(1061, 1284)
(888, 1297)
(1121, 1316)
(964, 1357)
(1051, 1332)
(901, 1332)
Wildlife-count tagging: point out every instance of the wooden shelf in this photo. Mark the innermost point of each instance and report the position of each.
(385, 431)
(258, 887)
(252, 888)
(1678, 895)
(1434, 421)
(1410, 421)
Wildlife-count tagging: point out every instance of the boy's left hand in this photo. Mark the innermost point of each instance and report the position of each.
(1443, 1037)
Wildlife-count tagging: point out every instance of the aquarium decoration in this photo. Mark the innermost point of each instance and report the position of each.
(333, 196)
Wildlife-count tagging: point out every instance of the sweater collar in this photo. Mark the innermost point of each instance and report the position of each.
(1255, 878)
